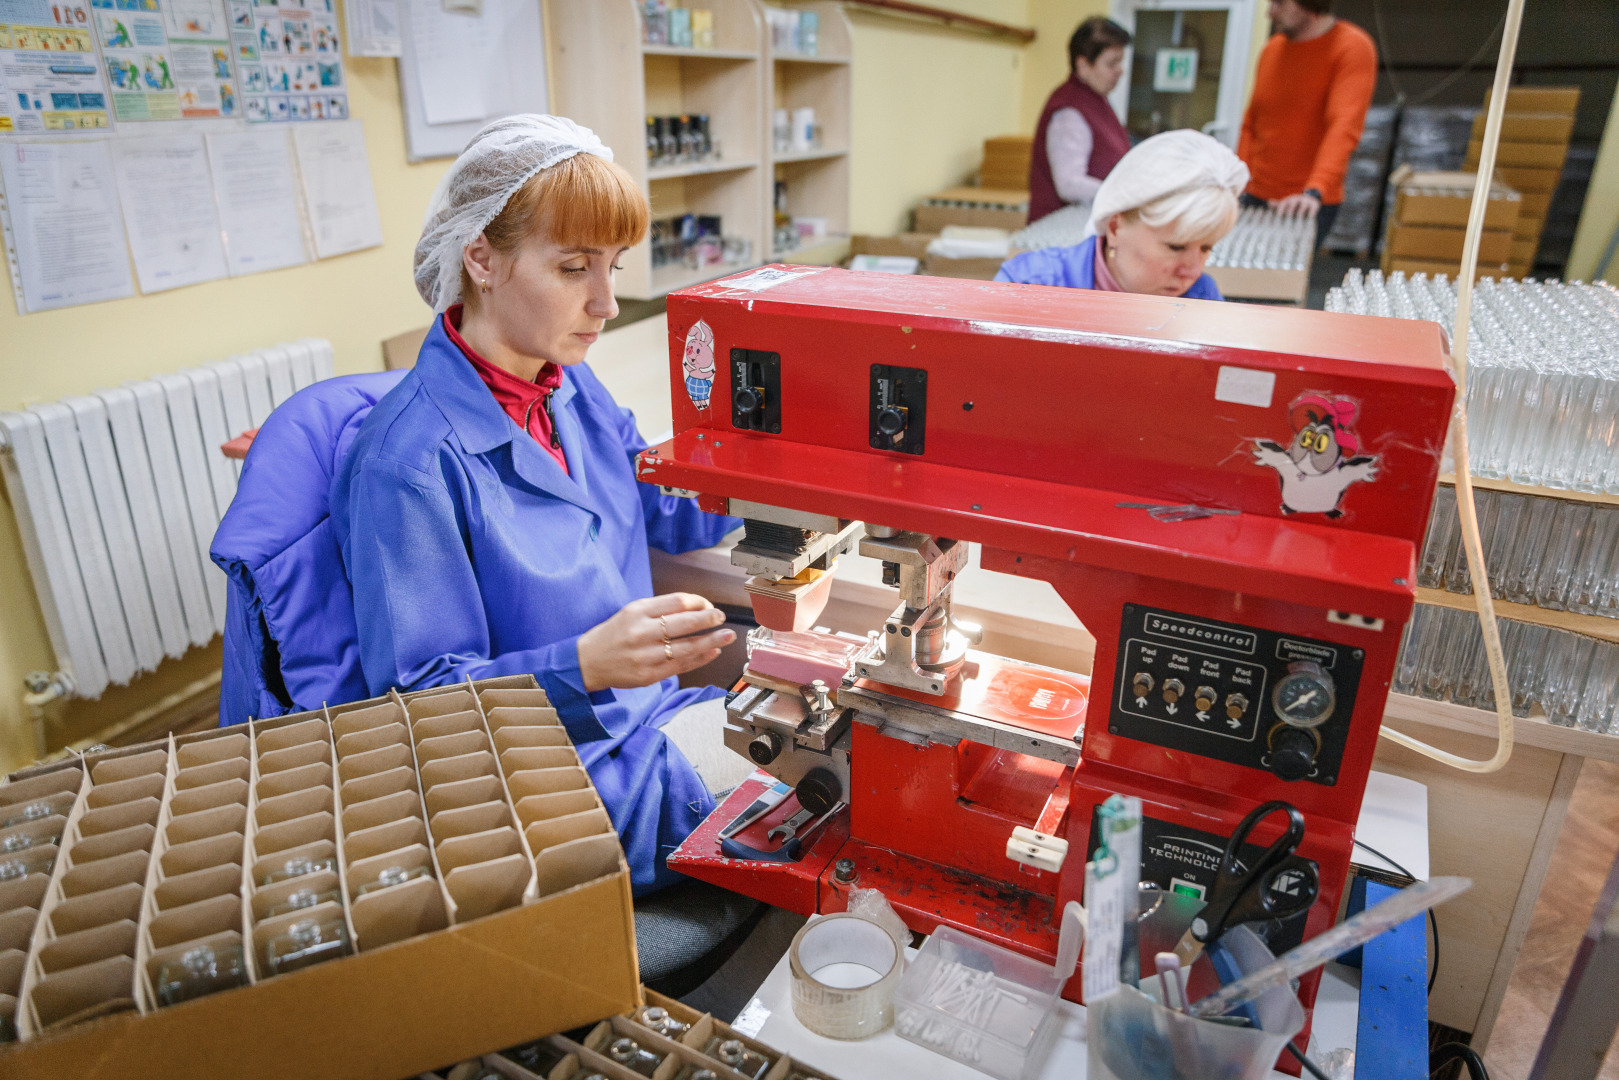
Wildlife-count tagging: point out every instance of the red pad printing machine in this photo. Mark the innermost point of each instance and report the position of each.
(1230, 499)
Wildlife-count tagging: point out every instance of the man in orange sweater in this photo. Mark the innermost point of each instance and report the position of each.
(1314, 81)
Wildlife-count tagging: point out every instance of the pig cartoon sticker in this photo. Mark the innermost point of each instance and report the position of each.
(699, 364)
(1323, 458)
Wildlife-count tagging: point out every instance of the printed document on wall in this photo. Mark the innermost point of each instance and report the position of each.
(135, 50)
(200, 45)
(62, 216)
(49, 79)
(168, 206)
(373, 27)
(337, 187)
(258, 200)
(452, 50)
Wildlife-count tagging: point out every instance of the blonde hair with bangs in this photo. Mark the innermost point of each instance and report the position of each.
(1193, 215)
(584, 201)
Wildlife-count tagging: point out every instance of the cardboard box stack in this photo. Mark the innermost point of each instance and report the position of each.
(1006, 162)
(1430, 218)
(1535, 131)
(364, 891)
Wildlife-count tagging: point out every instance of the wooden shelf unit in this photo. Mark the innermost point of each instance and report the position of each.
(817, 179)
(609, 80)
(1600, 497)
(1531, 730)
(1594, 626)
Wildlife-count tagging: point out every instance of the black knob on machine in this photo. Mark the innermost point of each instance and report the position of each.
(765, 747)
(891, 420)
(749, 399)
(1292, 753)
(819, 791)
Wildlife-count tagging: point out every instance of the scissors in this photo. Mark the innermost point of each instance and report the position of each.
(1279, 884)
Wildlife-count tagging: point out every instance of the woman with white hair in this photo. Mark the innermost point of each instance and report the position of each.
(1155, 219)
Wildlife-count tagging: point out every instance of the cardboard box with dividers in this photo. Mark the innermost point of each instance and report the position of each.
(366, 891)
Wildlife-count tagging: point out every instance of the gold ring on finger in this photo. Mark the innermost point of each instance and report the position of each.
(663, 626)
(668, 651)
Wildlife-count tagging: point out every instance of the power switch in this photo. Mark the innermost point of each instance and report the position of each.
(1173, 689)
(1205, 698)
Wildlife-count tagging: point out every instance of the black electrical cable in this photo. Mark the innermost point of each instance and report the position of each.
(1385, 56)
(1309, 1066)
(1432, 920)
(1455, 1051)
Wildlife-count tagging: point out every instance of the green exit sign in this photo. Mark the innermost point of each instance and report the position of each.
(1175, 71)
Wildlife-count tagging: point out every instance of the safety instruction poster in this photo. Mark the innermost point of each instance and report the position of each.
(135, 53)
(200, 45)
(290, 58)
(49, 79)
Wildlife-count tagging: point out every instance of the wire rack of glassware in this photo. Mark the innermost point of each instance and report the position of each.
(1266, 239)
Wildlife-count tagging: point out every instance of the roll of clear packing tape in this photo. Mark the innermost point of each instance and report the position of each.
(845, 970)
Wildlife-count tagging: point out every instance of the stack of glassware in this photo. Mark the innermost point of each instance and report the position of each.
(1543, 371)
(1574, 679)
(1552, 553)
(1266, 239)
(1060, 228)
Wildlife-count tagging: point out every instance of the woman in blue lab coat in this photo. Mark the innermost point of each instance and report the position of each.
(489, 515)
(1153, 223)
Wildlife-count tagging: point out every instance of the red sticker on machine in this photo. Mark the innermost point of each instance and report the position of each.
(698, 364)
(1322, 457)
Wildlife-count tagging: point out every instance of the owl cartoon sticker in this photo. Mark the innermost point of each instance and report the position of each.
(698, 364)
(1323, 458)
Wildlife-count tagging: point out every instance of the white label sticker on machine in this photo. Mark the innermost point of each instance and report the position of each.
(768, 278)
(1245, 386)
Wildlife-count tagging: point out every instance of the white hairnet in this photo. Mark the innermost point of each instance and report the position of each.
(1171, 163)
(498, 161)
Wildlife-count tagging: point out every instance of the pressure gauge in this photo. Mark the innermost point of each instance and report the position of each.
(1304, 697)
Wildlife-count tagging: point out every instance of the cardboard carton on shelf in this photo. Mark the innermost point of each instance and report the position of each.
(912, 244)
(979, 269)
(1445, 242)
(1540, 99)
(979, 207)
(1523, 252)
(1527, 180)
(1526, 127)
(1533, 205)
(1448, 267)
(1260, 283)
(1525, 155)
(1006, 162)
(554, 953)
(1444, 198)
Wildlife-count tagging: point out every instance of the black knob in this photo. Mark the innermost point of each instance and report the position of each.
(891, 420)
(749, 399)
(765, 747)
(1292, 754)
(819, 791)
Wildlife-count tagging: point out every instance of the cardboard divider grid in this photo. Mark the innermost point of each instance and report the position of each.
(173, 853)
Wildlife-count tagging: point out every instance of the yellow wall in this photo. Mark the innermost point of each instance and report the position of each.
(1045, 61)
(1601, 211)
(925, 99)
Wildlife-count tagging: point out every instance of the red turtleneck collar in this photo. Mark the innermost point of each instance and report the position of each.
(527, 403)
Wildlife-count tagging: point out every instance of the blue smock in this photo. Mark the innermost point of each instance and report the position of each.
(472, 553)
(1075, 268)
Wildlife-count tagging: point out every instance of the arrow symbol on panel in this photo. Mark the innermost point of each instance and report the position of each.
(1202, 716)
(1234, 723)
(1170, 708)
(1141, 703)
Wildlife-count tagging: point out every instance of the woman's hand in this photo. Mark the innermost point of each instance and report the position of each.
(651, 639)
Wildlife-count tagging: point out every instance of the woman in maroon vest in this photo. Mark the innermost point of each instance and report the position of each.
(1079, 139)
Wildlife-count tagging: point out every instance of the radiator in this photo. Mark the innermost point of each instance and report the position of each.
(117, 495)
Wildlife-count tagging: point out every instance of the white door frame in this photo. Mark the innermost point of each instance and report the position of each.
(1233, 65)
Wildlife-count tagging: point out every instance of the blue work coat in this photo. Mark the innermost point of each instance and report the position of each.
(1075, 268)
(473, 553)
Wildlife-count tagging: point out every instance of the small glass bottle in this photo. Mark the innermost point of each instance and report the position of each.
(738, 1055)
(59, 803)
(297, 866)
(24, 841)
(538, 1057)
(300, 899)
(393, 875)
(198, 972)
(32, 861)
(305, 943)
(633, 1056)
(697, 1072)
(659, 1020)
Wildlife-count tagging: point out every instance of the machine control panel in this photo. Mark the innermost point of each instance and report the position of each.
(756, 390)
(1239, 694)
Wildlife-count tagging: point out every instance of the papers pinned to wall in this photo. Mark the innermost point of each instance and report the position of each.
(373, 27)
(459, 69)
(64, 230)
(187, 208)
(257, 197)
(50, 79)
(337, 188)
(168, 204)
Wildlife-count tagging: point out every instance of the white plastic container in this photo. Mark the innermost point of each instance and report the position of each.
(983, 1005)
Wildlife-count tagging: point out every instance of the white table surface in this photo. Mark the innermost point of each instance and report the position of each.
(1393, 819)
